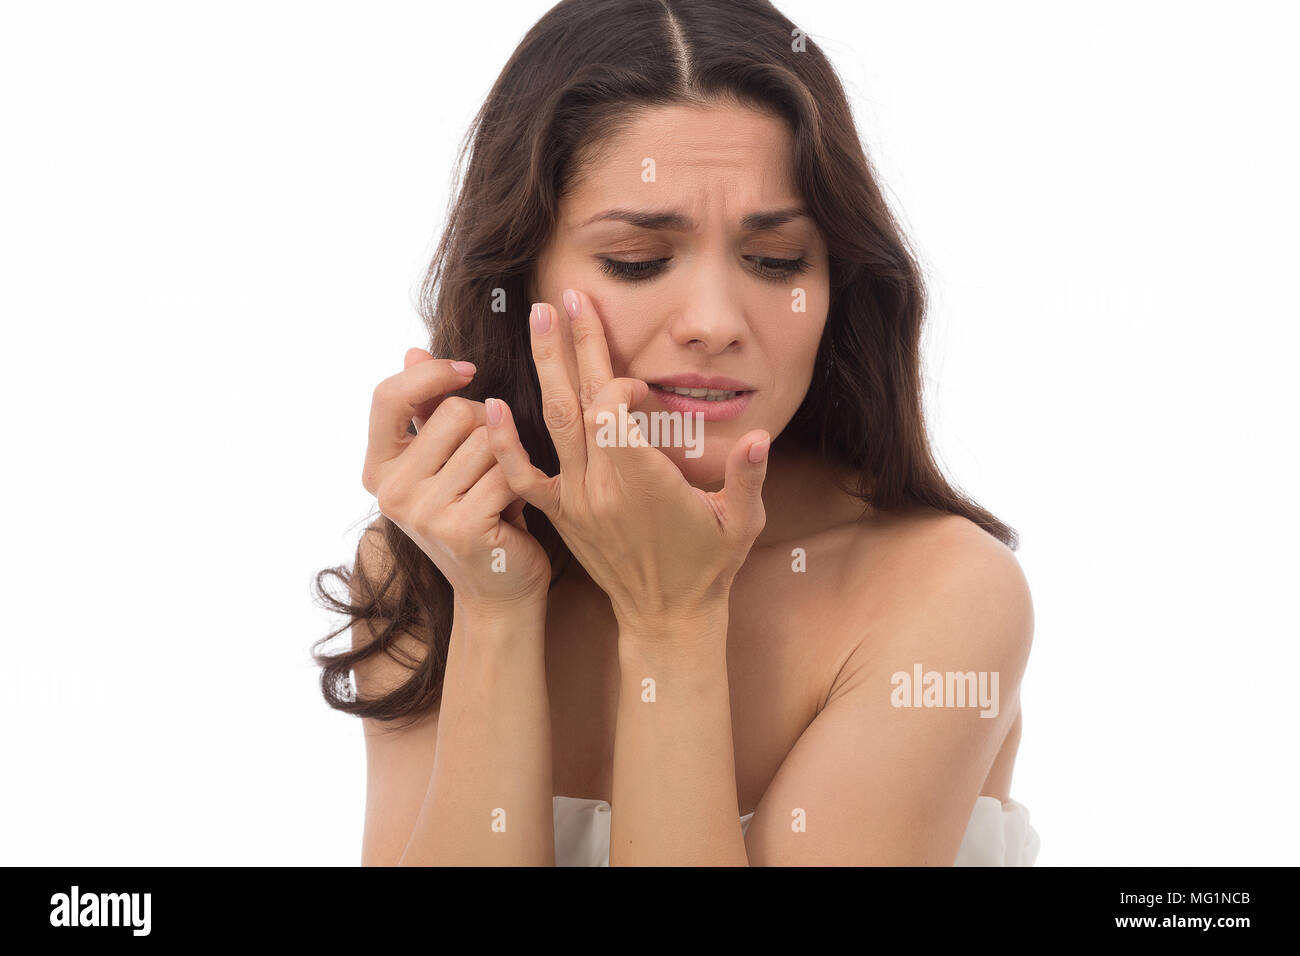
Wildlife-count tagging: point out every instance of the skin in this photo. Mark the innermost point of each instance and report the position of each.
(772, 688)
(722, 306)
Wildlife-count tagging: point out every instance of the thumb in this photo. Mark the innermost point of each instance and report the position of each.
(615, 402)
(629, 392)
(420, 414)
(742, 485)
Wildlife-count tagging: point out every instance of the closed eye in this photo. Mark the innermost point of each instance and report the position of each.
(640, 270)
(779, 268)
(632, 271)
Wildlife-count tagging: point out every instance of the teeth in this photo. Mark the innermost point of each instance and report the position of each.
(708, 394)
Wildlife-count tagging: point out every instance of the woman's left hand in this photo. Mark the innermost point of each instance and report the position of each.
(661, 549)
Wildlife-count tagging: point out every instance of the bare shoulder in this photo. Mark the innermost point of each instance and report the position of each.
(938, 581)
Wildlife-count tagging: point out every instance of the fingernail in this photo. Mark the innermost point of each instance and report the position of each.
(758, 451)
(465, 368)
(571, 303)
(540, 317)
(493, 411)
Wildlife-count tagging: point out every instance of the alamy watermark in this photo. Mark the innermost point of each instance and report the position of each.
(655, 429)
(102, 909)
(946, 689)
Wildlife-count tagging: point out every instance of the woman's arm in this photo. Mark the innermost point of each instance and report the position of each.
(666, 554)
(488, 800)
(884, 777)
(431, 787)
(485, 792)
(674, 759)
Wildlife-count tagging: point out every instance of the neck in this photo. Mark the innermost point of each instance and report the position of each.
(804, 493)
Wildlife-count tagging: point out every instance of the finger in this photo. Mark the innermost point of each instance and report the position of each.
(590, 346)
(467, 465)
(742, 489)
(611, 410)
(561, 409)
(528, 481)
(621, 391)
(425, 409)
(399, 398)
(451, 424)
(492, 494)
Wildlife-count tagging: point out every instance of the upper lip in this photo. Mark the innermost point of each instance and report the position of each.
(692, 380)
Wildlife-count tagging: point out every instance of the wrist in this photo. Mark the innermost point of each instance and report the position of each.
(500, 619)
(702, 628)
(706, 610)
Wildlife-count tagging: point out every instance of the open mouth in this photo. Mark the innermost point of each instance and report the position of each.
(708, 404)
(700, 394)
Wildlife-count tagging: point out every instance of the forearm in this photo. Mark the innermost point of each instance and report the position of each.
(674, 789)
(489, 800)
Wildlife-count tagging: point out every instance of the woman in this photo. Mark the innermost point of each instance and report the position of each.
(767, 618)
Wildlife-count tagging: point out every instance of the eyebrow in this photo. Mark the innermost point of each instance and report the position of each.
(676, 222)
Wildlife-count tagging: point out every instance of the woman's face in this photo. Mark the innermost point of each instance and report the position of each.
(690, 239)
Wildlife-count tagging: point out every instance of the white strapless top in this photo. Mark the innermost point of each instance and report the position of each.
(998, 834)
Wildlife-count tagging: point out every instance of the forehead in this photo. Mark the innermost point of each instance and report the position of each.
(721, 159)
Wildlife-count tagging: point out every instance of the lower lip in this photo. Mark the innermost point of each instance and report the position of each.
(712, 411)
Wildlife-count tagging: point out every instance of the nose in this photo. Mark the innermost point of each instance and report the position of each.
(711, 319)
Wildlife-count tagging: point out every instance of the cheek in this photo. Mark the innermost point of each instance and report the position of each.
(795, 342)
(791, 339)
(625, 336)
(808, 327)
(560, 268)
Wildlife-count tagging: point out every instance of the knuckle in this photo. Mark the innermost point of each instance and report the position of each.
(591, 417)
(369, 480)
(457, 411)
(590, 389)
(582, 333)
(543, 351)
(558, 413)
(392, 497)
(382, 394)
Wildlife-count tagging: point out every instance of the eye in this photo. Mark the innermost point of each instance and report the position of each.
(632, 271)
(770, 268)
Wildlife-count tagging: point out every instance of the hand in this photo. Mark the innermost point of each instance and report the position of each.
(444, 488)
(659, 547)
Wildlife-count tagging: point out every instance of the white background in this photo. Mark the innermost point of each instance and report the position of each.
(214, 217)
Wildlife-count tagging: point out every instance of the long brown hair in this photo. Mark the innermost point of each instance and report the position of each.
(588, 65)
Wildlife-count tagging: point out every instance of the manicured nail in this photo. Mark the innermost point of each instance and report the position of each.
(758, 451)
(465, 368)
(493, 411)
(571, 305)
(540, 317)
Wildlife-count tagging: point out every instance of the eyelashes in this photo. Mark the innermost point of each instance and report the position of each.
(632, 271)
(765, 267)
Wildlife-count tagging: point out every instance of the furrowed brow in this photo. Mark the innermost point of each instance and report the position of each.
(757, 221)
(645, 220)
(675, 221)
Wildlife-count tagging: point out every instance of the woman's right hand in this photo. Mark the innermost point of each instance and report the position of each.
(444, 488)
